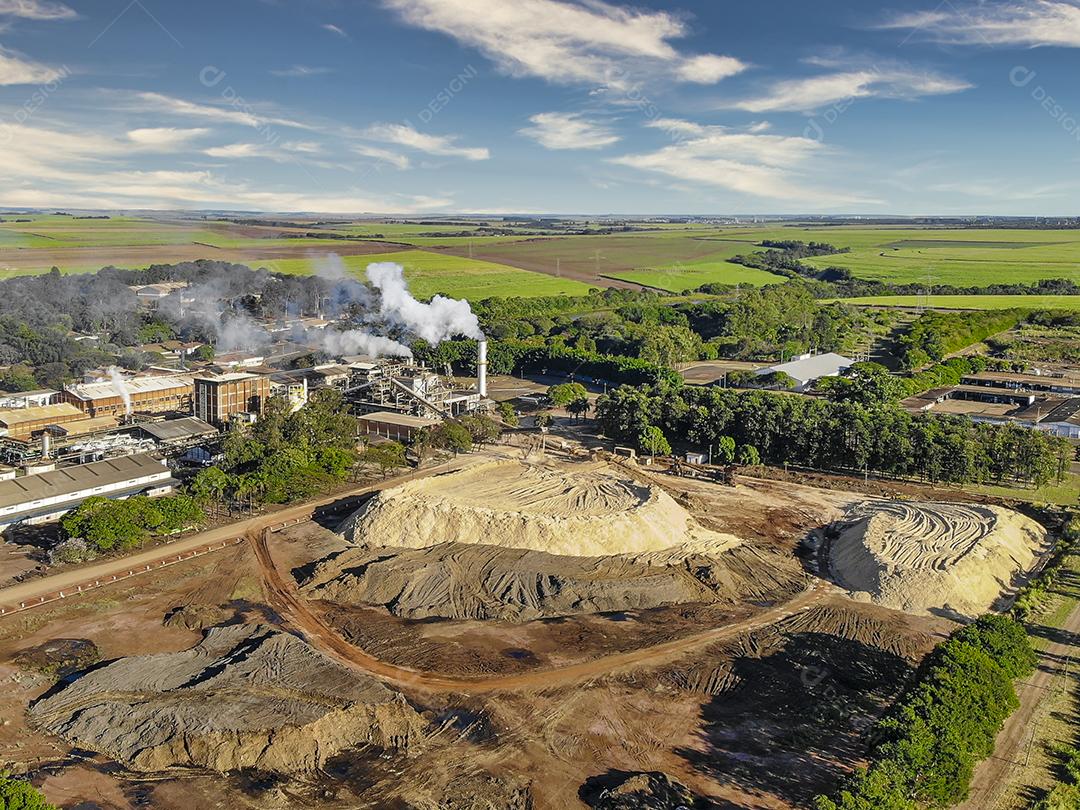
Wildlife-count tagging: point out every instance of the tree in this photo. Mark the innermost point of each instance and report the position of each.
(508, 414)
(563, 394)
(725, 450)
(749, 456)
(210, 485)
(482, 429)
(653, 442)
(387, 456)
(452, 436)
(18, 794)
(544, 419)
(579, 407)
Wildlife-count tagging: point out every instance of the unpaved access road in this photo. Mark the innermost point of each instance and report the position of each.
(34, 589)
(1010, 750)
(304, 618)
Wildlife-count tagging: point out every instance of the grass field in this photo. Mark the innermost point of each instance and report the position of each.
(1067, 302)
(430, 273)
(669, 256)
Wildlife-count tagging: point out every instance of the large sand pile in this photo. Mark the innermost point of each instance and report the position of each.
(459, 581)
(584, 510)
(923, 556)
(245, 697)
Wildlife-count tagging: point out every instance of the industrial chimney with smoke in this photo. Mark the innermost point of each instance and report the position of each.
(481, 367)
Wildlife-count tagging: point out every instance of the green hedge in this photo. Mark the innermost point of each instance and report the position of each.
(929, 743)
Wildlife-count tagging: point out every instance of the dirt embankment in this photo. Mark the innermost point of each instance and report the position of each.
(247, 696)
(459, 581)
(925, 557)
(586, 510)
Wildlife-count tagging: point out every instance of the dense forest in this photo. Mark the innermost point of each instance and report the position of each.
(842, 435)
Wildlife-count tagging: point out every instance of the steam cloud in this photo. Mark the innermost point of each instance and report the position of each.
(121, 388)
(443, 318)
(356, 341)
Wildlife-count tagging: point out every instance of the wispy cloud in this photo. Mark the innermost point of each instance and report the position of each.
(569, 41)
(885, 81)
(1029, 24)
(36, 10)
(49, 167)
(164, 138)
(301, 72)
(383, 155)
(17, 69)
(766, 166)
(333, 29)
(243, 114)
(556, 130)
(405, 135)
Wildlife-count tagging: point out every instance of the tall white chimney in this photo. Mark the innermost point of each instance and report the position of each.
(481, 367)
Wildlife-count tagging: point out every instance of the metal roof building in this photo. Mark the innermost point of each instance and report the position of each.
(809, 367)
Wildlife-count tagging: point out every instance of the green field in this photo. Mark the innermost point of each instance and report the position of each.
(463, 257)
(692, 274)
(1069, 302)
(431, 273)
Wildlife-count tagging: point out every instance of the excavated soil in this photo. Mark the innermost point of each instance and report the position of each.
(247, 696)
(458, 581)
(922, 557)
(577, 510)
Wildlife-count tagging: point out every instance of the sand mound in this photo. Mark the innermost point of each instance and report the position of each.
(245, 697)
(459, 581)
(921, 556)
(578, 510)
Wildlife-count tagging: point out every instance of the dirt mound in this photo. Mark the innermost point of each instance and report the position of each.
(920, 557)
(577, 510)
(196, 617)
(639, 791)
(458, 581)
(59, 657)
(247, 696)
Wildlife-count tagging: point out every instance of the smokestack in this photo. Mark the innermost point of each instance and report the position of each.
(481, 367)
(46, 446)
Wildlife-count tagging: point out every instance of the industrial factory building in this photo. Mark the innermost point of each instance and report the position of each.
(400, 385)
(397, 426)
(24, 423)
(164, 394)
(48, 495)
(221, 397)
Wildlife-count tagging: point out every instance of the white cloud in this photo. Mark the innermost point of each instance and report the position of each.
(302, 147)
(44, 167)
(814, 92)
(164, 138)
(384, 155)
(709, 68)
(239, 113)
(36, 10)
(17, 69)
(302, 72)
(1029, 24)
(405, 135)
(568, 131)
(243, 150)
(764, 166)
(569, 41)
(333, 29)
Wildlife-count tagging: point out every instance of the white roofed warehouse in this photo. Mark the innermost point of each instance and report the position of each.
(806, 368)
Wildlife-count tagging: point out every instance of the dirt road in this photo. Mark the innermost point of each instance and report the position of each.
(303, 617)
(992, 774)
(33, 589)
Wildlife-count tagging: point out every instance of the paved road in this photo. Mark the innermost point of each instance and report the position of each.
(1010, 750)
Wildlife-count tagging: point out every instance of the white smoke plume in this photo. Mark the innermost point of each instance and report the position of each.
(345, 289)
(435, 322)
(121, 388)
(356, 341)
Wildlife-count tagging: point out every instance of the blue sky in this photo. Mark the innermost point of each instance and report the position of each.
(569, 106)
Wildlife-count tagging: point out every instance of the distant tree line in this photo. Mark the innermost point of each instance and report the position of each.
(843, 435)
(935, 334)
